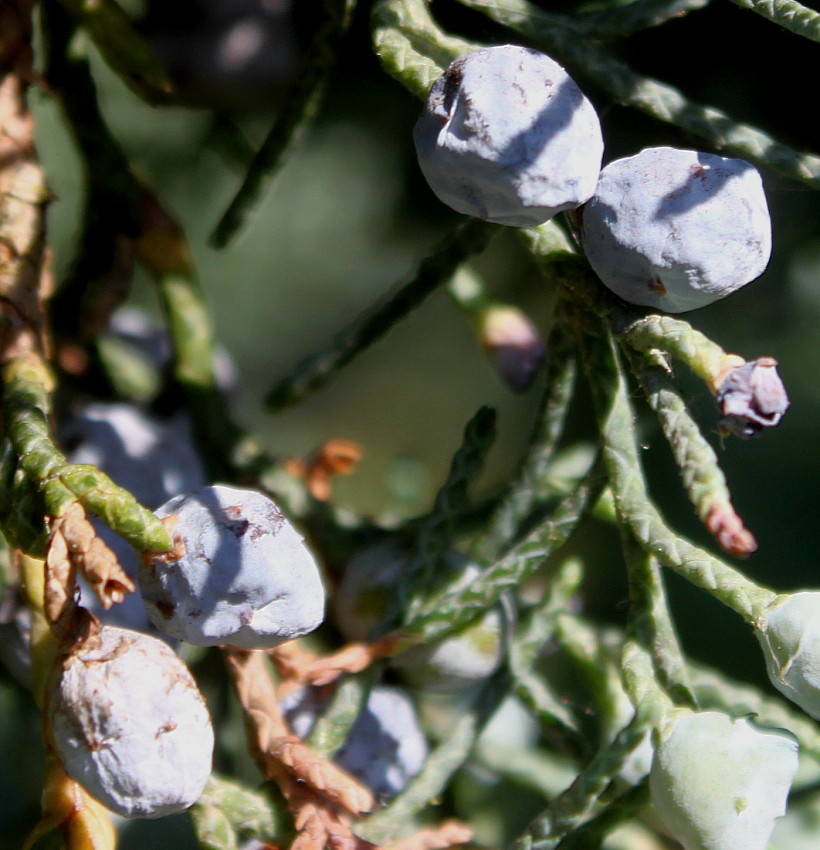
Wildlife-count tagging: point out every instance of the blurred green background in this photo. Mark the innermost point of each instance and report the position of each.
(346, 221)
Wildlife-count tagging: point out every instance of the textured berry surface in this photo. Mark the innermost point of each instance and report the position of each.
(677, 229)
(507, 136)
(131, 726)
(240, 575)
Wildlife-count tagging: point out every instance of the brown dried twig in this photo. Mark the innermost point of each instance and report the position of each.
(75, 538)
(292, 663)
(25, 281)
(314, 788)
(451, 833)
(352, 658)
(74, 547)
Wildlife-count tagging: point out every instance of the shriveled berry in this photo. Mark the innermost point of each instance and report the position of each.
(507, 136)
(677, 229)
(130, 725)
(240, 573)
(751, 397)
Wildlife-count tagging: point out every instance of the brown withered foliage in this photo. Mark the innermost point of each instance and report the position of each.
(291, 662)
(352, 658)
(74, 547)
(451, 833)
(334, 457)
(314, 788)
(321, 796)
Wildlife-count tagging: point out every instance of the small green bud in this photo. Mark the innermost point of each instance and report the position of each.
(790, 638)
(720, 783)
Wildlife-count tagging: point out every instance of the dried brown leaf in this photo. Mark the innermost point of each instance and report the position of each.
(334, 457)
(352, 658)
(319, 827)
(322, 775)
(59, 600)
(91, 556)
(314, 787)
(451, 833)
(291, 662)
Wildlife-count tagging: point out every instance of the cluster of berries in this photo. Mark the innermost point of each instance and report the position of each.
(507, 136)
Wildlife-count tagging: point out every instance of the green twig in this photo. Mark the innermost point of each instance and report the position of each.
(679, 339)
(624, 807)
(531, 487)
(651, 622)
(297, 113)
(635, 510)
(636, 15)
(538, 626)
(570, 809)
(657, 99)
(703, 479)
(333, 725)
(469, 238)
(453, 609)
(26, 382)
(436, 532)
(788, 14)
(410, 44)
(538, 620)
(553, 714)
(596, 652)
(125, 51)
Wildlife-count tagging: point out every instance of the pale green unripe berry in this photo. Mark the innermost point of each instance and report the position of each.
(790, 638)
(720, 783)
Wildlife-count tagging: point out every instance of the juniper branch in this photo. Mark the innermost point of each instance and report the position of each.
(635, 510)
(788, 14)
(411, 46)
(300, 108)
(26, 382)
(467, 239)
(697, 463)
(125, 51)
